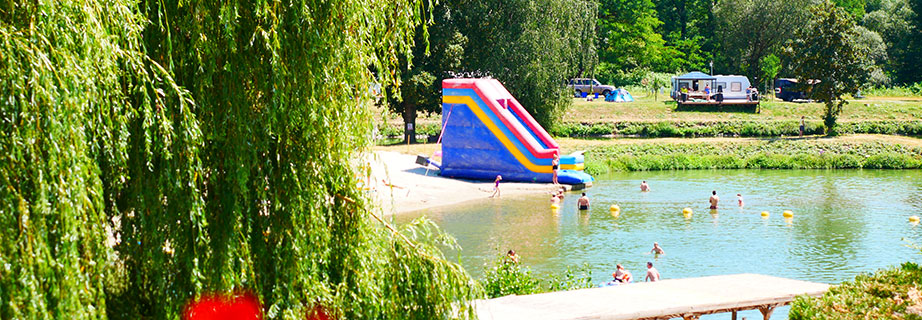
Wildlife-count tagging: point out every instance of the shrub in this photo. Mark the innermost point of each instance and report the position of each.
(882, 295)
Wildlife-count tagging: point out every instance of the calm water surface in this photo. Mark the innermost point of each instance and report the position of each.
(845, 222)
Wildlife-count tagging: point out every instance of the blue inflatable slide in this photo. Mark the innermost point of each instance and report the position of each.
(488, 133)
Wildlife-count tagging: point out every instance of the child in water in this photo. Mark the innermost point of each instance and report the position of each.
(739, 199)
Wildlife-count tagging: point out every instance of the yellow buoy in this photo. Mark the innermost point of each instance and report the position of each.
(687, 211)
(914, 219)
(765, 214)
(788, 214)
(615, 213)
(555, 206)
(614, 208)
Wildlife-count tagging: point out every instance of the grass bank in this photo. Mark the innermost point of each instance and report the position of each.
(887, 294)
(844, 152)
(871, 152)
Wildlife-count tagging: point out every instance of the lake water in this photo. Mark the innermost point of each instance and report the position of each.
(845, 222)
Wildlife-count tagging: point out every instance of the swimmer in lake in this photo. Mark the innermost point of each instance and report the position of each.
(714, 199)
(644, 187)
(739, 199)
(657, 250)
(583, 202)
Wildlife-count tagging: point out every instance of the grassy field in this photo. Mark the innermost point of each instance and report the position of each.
(645, 108)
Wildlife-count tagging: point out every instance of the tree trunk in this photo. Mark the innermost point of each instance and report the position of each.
(409, 123)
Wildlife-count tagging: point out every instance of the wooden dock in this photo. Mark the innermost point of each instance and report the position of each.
(681, 298)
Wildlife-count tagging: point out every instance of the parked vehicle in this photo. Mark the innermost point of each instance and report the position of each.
(589, 86)
(723, 87)
(786, 89)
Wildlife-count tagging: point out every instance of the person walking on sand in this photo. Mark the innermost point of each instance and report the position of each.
(652, 273)
(714, 200)
(803, 125)
(644, 187)
(554, 165)
(739, 199)
(583, 202)
(496, 186)
(657, 250)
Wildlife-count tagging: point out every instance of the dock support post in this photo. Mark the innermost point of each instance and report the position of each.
(690, 317)
(733, 315)
(767, 311)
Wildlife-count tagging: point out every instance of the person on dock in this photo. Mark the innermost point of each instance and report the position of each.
(714, 199)
(621, 275)
(583, 202)
(739, 199)
(749, 94)
(496, 186)
(555, 164)
(644, 187)
(652, 273)
(707, 92)
(657, 250)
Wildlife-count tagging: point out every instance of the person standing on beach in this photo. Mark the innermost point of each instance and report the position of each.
(652, 273)
(583, 202)
(555, 164)
(496, 186)
(803, 125)
(714, 200)
(644, 187)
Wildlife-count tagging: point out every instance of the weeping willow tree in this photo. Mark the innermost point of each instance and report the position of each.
(157, 151)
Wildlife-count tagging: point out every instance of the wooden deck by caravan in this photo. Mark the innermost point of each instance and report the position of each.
(681, 298)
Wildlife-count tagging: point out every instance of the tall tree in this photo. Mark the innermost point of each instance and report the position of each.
(828, 57)
(627, 34)
(892, 20)
(434, 57)
(214, 142)
(750, 30)
(531, 46)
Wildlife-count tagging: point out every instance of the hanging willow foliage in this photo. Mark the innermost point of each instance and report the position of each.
(217, 140)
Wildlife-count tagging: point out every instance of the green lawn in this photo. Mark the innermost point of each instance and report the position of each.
(645, 108)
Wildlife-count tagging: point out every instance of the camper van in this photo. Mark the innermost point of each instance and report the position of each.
(691, 86)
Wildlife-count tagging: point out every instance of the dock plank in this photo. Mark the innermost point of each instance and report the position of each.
(653, 300)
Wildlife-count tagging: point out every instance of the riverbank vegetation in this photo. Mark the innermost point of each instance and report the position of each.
(752, 154)
(891, 293)
(504, 277)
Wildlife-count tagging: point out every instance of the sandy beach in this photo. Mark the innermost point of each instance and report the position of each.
(400, 185)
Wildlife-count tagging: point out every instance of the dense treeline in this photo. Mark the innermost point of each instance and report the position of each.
(533, 46)
(747, 36)
(152, 152)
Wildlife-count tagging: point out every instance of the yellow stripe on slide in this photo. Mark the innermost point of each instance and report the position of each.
(467, 100)
(578, 166)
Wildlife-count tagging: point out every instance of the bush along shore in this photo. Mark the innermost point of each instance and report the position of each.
(752, 154)
(689, 129)
(887, 294)
(737, 128)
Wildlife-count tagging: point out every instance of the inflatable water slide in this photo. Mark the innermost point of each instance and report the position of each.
(488, 133)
